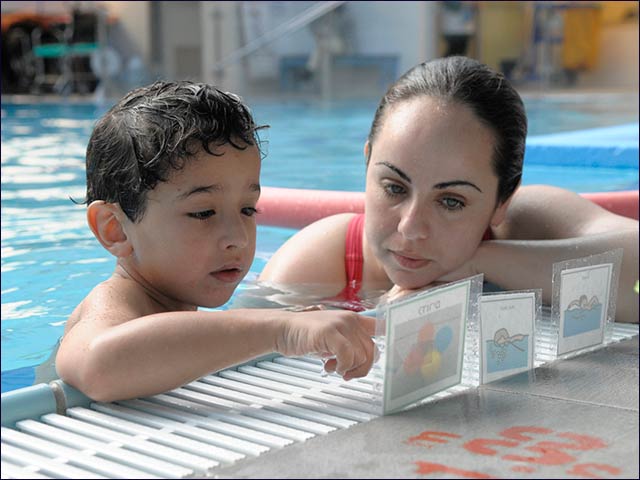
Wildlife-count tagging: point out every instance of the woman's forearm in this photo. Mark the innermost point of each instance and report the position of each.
(525, 264)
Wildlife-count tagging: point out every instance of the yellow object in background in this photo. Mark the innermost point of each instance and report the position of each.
(582, 27)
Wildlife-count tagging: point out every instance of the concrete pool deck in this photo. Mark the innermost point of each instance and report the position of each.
(575, 418)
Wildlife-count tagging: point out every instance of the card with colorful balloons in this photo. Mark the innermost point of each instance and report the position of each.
(425, 342)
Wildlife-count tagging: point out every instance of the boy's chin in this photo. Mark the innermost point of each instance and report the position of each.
(217, 301)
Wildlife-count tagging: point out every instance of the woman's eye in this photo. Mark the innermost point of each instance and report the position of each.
(393, 189)
(249, 211)
(203, 215)
(452, 203)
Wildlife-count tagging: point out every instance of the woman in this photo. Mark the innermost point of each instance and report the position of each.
(442, 201)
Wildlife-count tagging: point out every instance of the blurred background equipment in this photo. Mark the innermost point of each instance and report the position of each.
(313, 49)
(74, 44)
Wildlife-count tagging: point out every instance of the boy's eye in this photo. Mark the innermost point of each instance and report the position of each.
(393, 189)
(203, 215)
(452, 203)
(249, 211)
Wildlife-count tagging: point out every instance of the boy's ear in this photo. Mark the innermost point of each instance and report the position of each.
(367, 150)
(105, 220)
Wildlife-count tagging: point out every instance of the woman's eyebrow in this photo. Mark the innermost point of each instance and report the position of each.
(456, 183)
(395, 169)
(438, 186)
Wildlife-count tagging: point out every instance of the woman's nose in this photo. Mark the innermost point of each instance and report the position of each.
(414, 223)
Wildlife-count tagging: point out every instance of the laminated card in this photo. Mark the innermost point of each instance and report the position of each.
(507, 326)
(584, 293)
(425, 341)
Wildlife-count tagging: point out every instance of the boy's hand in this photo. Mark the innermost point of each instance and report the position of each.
(331, 333)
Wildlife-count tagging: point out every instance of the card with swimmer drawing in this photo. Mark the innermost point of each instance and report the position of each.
(584, 299)
(507, 325)
(424, 346)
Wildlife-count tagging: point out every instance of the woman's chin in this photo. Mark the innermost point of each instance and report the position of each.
(412, 282)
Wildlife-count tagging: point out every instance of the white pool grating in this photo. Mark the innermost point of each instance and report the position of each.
(194, 430)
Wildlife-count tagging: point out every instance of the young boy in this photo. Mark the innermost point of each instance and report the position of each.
(172, 185)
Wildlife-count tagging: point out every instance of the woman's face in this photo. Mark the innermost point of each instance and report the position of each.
(431, 190)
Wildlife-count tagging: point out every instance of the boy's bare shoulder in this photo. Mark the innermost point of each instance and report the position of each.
(111, 303)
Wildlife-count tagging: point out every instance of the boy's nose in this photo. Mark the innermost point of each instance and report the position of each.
(234, 235)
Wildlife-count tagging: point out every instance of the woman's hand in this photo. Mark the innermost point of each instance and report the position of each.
(342, 336)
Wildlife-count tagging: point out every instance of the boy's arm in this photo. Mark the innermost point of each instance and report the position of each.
(159, 352)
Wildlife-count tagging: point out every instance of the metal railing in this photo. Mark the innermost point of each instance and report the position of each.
(303, 19)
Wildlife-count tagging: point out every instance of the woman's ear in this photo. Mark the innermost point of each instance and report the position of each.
(105, 220)
(500, 212)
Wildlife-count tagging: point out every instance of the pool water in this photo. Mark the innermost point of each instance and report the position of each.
(50, 260)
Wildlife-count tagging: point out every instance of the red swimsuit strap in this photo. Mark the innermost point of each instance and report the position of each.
(353, 263)
(353, 255)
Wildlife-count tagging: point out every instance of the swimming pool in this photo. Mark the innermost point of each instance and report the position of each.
(50, 260)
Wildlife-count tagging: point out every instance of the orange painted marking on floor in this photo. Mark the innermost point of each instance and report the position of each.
(427, 468)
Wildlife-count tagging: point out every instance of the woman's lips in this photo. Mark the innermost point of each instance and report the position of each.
(229, 275)
(409, 262)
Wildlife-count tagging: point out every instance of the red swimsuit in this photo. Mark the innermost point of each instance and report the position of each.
(353, 263)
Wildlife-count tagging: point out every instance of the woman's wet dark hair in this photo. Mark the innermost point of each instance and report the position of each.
(154, 130)
(487, 93)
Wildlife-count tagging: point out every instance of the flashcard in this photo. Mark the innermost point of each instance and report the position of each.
(584, 298)
(424, 346)
(507, 325)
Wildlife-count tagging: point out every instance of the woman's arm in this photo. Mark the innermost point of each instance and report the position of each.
(525, 264)
(545, 225)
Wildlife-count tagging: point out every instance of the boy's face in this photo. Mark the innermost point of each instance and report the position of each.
(197, 237)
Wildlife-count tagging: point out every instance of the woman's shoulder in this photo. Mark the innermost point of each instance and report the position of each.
(332, 224)
(329, 229)
(314, 253)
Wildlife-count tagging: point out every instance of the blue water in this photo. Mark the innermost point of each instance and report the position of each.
(50, 260)
(508, 356)
(580, 320)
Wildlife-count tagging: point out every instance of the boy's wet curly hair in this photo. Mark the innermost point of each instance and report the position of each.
(154, 130)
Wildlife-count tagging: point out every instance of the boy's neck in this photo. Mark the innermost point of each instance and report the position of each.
(161, 302)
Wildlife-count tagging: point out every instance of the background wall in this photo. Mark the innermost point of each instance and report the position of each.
(184, 39)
